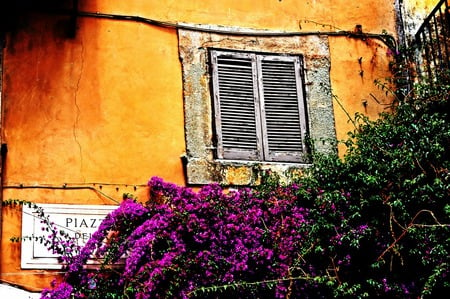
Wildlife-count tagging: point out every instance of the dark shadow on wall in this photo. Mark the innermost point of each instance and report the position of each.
(14, 14)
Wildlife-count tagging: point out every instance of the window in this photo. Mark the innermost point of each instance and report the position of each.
(249, 103)
(259, 106)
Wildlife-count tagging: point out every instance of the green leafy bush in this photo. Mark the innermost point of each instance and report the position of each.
(397, 172)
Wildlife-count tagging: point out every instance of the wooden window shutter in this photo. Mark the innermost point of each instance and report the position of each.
(259, 106)
(236, 108)
(283, 110)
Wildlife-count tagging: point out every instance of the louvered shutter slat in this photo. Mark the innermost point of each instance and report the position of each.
(234, 81)
(282, 110)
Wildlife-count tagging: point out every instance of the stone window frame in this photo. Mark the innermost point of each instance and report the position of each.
(201, 166)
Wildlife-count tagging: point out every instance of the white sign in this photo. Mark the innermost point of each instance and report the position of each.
(79, 221)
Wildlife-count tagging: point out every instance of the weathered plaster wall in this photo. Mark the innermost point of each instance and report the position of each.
(92, 106)
(413, 14)
(355, 66)
(104, 110)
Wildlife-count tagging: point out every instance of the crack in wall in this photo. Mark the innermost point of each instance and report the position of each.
(78, 110)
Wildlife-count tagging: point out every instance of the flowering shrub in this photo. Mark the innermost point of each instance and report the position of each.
(275, 241)
(184, 244)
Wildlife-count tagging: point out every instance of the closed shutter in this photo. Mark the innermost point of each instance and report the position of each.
(259, 106)
(282, 105)
(237, 124)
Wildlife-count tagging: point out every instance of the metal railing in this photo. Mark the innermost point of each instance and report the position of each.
(433, 44)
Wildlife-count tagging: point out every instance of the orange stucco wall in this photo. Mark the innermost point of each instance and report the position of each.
(105, 109)
(355, 67)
